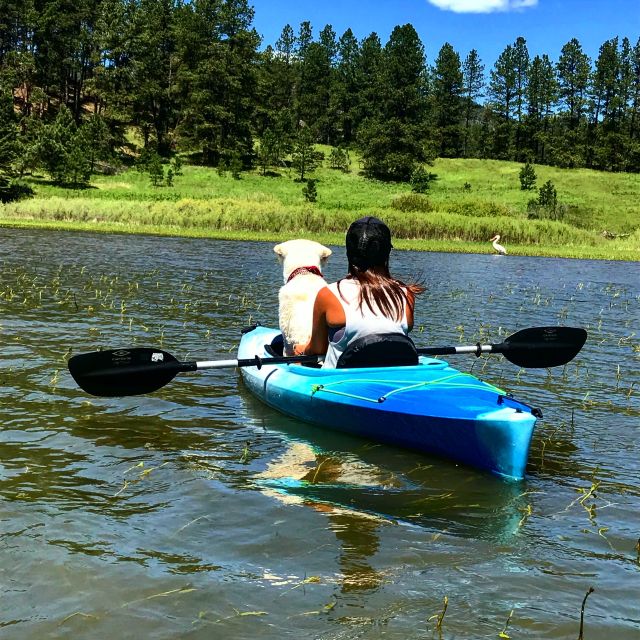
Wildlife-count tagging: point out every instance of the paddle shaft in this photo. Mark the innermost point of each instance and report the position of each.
(258, 362)
(476, 349)
(123, 372)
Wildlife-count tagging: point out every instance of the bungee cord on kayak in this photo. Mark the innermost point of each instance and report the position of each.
(427, 385)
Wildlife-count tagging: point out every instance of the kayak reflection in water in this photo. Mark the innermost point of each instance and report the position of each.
(368, 311)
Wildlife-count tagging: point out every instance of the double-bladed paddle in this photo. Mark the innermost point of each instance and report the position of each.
(130, 372)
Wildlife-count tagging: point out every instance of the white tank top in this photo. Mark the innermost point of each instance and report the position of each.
(360, 321)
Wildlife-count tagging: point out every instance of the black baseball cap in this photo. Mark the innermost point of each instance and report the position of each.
(368, 242)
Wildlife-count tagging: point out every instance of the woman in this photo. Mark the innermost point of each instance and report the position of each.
(367, 302)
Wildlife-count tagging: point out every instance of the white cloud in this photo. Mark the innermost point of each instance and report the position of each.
(482, 6)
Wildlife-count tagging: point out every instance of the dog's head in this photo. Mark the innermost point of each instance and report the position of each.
(294, 254)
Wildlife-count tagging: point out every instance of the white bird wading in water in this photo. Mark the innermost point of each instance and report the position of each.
(498, 247)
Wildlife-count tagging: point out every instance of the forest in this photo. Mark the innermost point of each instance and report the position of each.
(94, 86)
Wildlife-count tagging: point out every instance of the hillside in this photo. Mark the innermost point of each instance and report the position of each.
(468, 202)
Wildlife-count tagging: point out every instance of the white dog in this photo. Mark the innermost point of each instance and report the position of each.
(302, 262)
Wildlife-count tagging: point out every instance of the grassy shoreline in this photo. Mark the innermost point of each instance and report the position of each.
(450, 218)
(610, 252)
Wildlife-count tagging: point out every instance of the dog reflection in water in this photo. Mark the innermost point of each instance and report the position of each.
(301, 470)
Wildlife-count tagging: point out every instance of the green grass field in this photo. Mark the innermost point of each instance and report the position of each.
(448, 218)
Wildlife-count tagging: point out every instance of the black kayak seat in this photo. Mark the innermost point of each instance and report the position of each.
(276, 348)
(379, 350)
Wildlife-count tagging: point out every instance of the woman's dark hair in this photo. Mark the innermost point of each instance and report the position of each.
(368, 245)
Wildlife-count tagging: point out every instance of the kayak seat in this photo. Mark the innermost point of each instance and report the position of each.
(379, 350)
(276, 348)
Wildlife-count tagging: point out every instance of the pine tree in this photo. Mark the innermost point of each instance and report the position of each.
(446, 91)
(473, 90)
(326, 87)
(542, 91)
(527, 177)
(625, 84)
(347, 86)
(285, 45)
(608, 149)
(548, 196)
(112, 86)
(63, 151)
(605, 84)
(420, 180)
(315, 87)
(368, 67)
(502, 93)
(304, 40)
(235, 165)
(97, 140)
(275, 85)
(219, 53)
(521, 67)
(18, 24)
(304, 80)
(62, 42)
(8, 146)
(573, 69)
(393, 140)
(303, 158)
(8, 133)
(634, 116)
(153, 49)
(310, 191)
(155, 169)
(268, 151)
(339, 159)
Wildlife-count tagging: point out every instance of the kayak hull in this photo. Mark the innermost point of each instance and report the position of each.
(431, 407)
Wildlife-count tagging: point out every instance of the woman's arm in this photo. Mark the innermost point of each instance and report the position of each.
(327, 312)
(411, 300)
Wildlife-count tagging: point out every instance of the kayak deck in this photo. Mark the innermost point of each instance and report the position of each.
(430, 407)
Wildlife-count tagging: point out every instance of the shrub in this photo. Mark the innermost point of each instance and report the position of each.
(548, 196)
(235, 165)
(176, 165)
(11, 191)
(546, 206)
(339, 159)
(310, 191)
(412, 202)
(527, 177)
(155, 170)
(420, 180)
(478, 208)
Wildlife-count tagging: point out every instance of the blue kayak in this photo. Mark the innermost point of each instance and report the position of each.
(430, 407)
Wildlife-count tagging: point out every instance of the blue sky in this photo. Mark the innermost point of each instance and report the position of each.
(485, 25)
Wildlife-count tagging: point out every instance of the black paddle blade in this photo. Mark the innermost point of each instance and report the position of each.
(124, 372)
(542, 347)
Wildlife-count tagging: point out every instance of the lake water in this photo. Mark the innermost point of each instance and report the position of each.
(154, 517)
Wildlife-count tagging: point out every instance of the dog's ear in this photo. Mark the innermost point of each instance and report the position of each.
(280, 249)
(326, 252)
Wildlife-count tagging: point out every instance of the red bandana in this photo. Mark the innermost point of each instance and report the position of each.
(301, 270)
